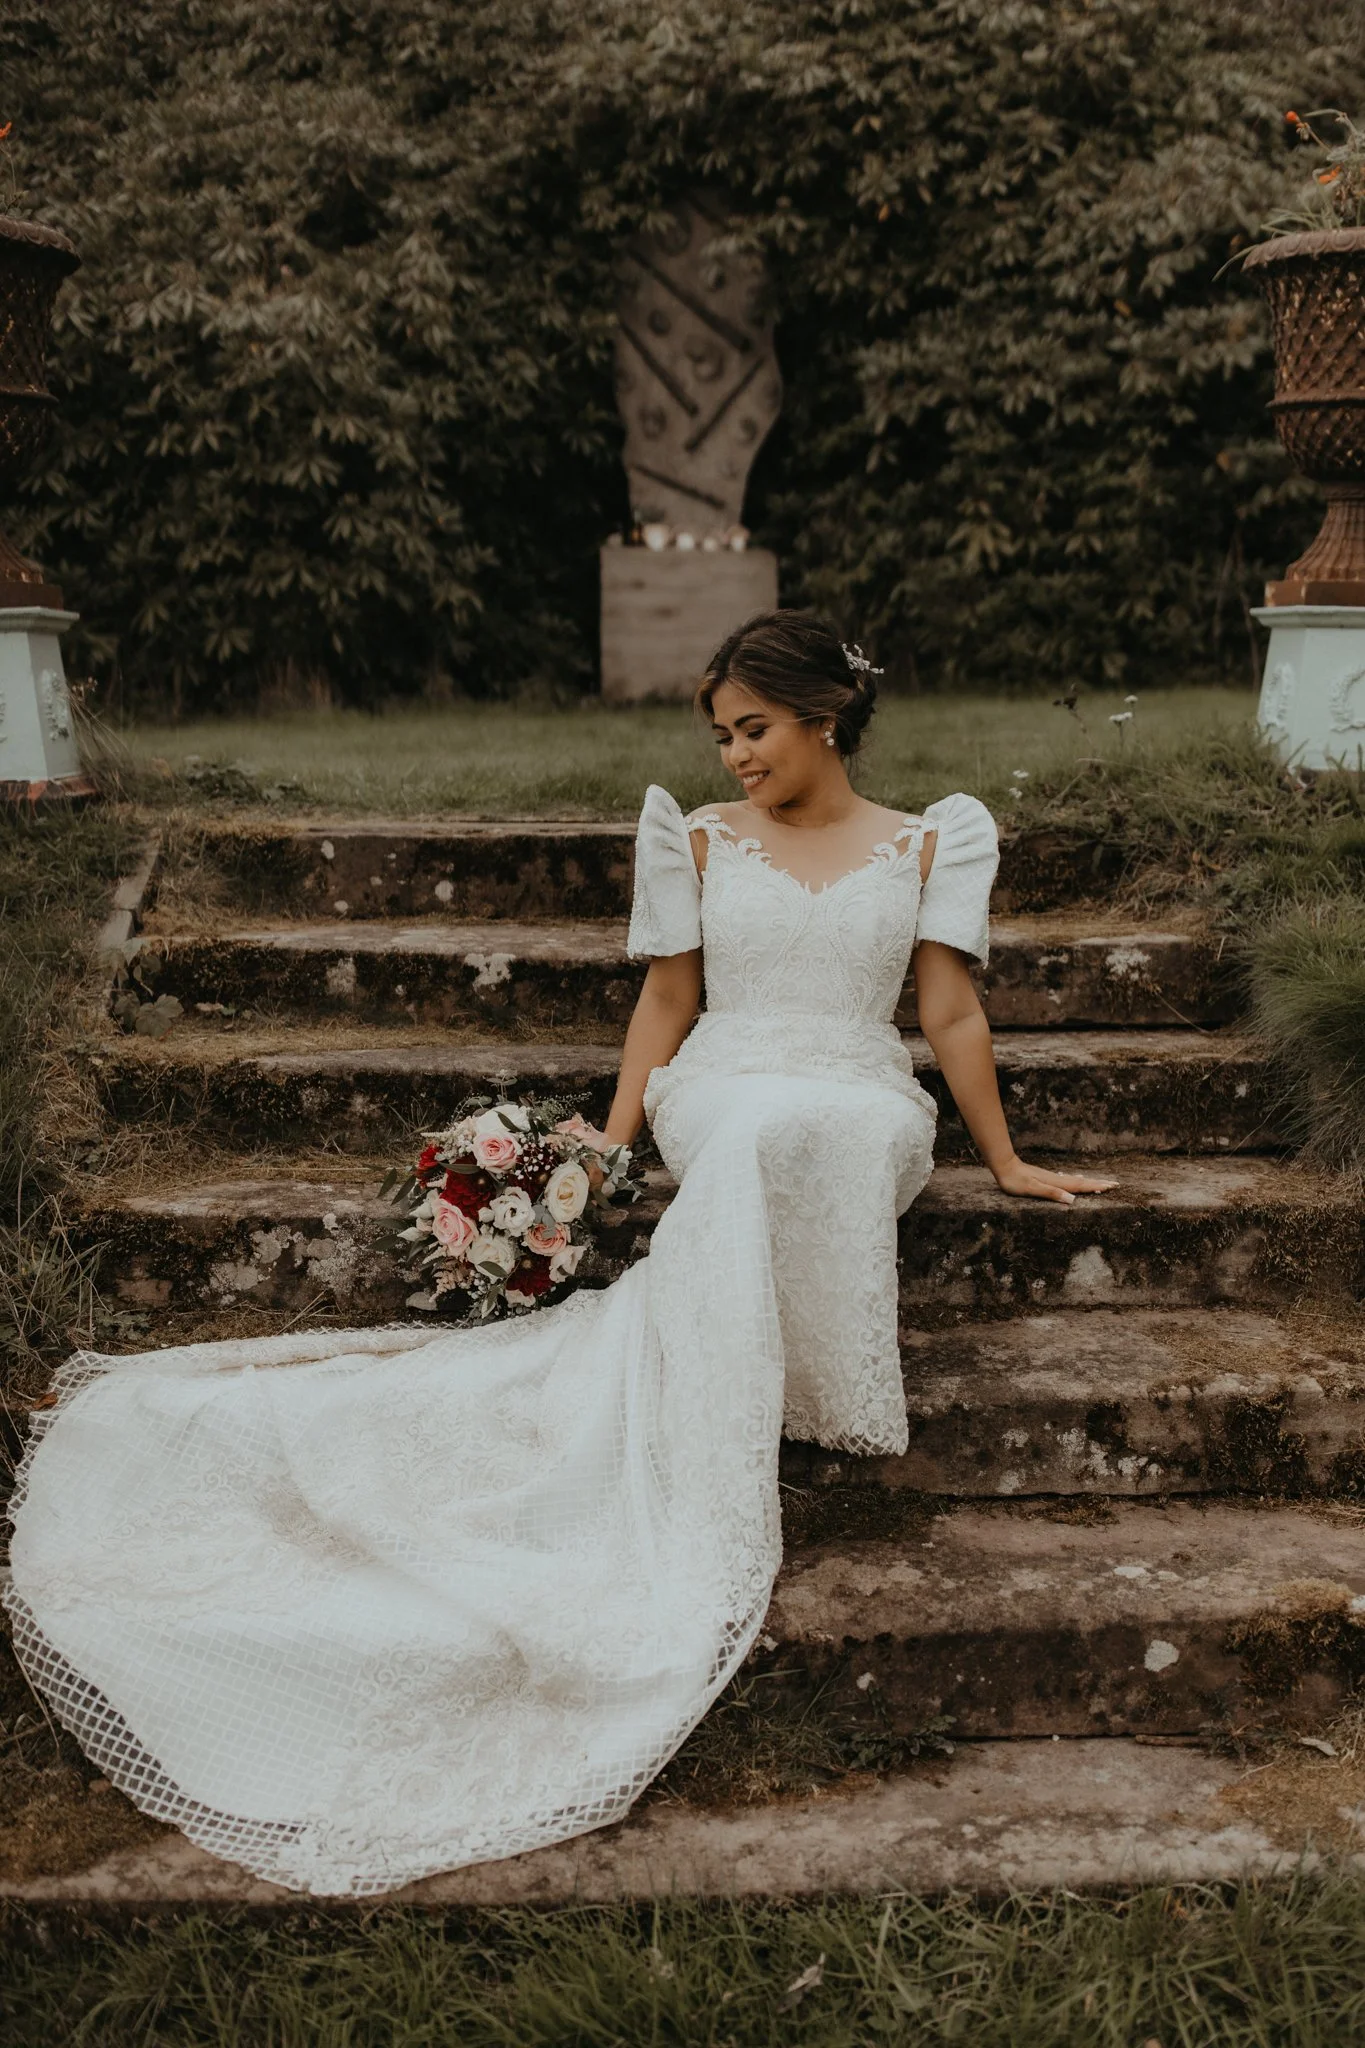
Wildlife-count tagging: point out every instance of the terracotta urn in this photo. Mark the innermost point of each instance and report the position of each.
(1315, 287)
(33, 262)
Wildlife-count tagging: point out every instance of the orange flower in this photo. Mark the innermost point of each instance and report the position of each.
(1328, 177)
(1292, 117)
(4, 132)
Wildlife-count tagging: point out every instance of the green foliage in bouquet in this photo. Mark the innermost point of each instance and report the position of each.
(336, 375)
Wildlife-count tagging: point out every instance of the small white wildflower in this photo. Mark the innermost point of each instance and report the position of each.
(865, 1682)
(1130, 699)
(1119, 717)
(1021, 774)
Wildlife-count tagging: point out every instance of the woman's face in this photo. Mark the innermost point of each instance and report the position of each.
(774, 755)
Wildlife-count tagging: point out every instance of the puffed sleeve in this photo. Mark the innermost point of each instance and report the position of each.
(955, 903)
(665, 916)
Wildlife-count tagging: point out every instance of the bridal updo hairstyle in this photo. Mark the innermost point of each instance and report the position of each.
(794, 660)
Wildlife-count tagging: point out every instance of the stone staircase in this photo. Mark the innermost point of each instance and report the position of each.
(1137, 1426)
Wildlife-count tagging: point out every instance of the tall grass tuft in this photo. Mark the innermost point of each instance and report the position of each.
(1307, 968)
(55, 872)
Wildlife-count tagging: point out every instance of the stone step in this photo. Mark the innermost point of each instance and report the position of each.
(1074, 1091)
(527, 979)
(997, 1816)
(1022, 1622)
(538, 869)
(1113, 1403)
(1174, 1233)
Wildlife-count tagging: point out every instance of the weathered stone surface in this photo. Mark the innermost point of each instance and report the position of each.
(1019, 1815)
(1118, 1402)
(380, 869)
(1065, 1091)
(1175, 1233)
(1016, 1622)
(1036, 979)
(529, 869)
(524, 978)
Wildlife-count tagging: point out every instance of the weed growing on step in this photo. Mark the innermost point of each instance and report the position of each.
(1200, 1967)
(56, 871)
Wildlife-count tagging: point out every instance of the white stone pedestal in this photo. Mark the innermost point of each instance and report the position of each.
(1312, 707)
(38, 752)
(664, 615)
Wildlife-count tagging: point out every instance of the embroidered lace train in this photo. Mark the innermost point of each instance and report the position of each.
(352, 1607)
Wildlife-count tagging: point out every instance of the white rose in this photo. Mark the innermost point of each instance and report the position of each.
(565, 1262)
(512, 1211)
(566, 1192)
(486, 1249)
(494, 1123)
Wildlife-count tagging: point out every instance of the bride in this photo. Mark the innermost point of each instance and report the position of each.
(426, 1598)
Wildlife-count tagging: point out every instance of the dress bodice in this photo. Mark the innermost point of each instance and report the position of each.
(773, 945)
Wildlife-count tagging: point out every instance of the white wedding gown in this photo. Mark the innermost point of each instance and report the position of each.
(353, 1607)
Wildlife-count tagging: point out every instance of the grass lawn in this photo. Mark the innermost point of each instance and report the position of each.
(507, 760)
(1257, 1966)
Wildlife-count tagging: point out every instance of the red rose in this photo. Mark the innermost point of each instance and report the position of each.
(532, 1276)
(465, 1191)
(427, 1159)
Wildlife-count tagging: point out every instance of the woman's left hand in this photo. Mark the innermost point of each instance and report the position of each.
(1019, 1179)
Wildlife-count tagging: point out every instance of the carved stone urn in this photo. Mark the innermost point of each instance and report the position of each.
(1315, 286)
(38, 752)
(1312, 706)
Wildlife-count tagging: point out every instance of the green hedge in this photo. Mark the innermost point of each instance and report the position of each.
(336, 373)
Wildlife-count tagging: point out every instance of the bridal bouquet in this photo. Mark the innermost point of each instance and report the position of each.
(499, 1203)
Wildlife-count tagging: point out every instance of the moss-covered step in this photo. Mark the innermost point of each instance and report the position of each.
(528, 869)
(1021, 1621)
(526, 979)
(1174, 1233)
(1107, 1814)
(1110, 1402)
(1064, 1091)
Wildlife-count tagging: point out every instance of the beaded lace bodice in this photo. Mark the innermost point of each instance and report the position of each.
(772, 944)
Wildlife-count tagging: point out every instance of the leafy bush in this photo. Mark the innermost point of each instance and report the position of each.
(337, 372)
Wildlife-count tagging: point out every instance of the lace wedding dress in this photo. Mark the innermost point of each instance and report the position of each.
(353, 1607)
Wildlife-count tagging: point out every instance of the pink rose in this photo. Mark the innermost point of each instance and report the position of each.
(496, 1151)
(545, 1239)
(451, 1226)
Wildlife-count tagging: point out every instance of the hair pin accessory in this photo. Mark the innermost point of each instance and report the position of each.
(859, 662)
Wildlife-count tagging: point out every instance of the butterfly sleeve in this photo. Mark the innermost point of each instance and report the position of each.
(955, 901)
(665, 914)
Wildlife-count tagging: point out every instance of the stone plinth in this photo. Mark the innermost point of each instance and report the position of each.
(664, 614)
(38, 752)
(1312, 707)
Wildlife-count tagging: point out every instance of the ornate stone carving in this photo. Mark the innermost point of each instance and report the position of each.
(55, 699)
(1277, 699)
(1348, 707)
(696, 375)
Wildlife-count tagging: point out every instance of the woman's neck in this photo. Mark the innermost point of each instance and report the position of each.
(831, 803)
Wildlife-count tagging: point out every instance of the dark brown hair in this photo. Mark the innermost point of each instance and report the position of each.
(795, 660)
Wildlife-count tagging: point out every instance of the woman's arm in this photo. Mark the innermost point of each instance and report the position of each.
(955, 1025)
(662, 1019)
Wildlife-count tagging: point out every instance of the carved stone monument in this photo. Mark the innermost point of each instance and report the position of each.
(699, 387)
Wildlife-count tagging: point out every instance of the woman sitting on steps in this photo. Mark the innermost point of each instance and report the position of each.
(434, 1597)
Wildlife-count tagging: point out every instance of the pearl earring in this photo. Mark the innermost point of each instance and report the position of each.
(829, 737)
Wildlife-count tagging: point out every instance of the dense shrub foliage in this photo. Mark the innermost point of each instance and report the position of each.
(337, 371)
